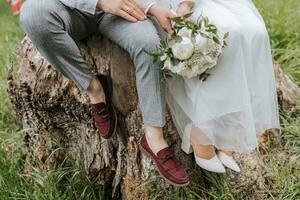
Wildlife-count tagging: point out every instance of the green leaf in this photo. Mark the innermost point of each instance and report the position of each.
(216, 40)
(226, 35)
(225, 43)
(177, 39)
(205, 21)
(187, 15)
(177, 19)
(204, 35)
(147, 52)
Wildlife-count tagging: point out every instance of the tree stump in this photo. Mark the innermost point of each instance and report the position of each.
(49, 104)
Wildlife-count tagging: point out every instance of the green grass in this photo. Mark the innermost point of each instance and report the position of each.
(67, 181)
(64, 181)
(37, 184)
(282, 21)
(10, 35)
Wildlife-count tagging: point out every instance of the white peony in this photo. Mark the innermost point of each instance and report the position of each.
(184, 49)
(199, 39)
(193, 54)
(201, 44)
(185, 32)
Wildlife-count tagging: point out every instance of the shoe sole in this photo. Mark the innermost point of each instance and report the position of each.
(167, 180)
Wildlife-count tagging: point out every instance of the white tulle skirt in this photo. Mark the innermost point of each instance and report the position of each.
(238, 100)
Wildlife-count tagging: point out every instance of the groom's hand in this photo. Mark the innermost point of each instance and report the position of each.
(127, 9)
(163, 16)
(184, 8)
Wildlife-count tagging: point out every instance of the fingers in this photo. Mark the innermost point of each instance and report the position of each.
(168, 24)
(172, 14)
(168, 27)
(184, 8)
(127, 16)
(138, 8)
(181, 12)
(133, 10)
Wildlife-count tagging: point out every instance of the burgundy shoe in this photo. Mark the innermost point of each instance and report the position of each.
(168, 165)
(105, 116)
(105, 119)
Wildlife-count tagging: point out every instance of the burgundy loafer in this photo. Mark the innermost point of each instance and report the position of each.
(105, 119)
(168, 165)
(105, 116)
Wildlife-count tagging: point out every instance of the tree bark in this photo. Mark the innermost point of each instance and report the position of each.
(49, 104)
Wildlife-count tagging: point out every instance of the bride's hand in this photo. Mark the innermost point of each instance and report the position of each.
(127, 9)
(185, 7)
(163, 16)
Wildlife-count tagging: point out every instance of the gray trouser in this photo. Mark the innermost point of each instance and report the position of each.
(54, 29)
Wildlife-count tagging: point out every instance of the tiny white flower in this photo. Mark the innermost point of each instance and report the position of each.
(168, 64)
(210, 61)
(200, 66)
(202, 69)
(179, 68)
(163, 57)
(184, 49)
(212, 64)
(189, 73)
(196, 67)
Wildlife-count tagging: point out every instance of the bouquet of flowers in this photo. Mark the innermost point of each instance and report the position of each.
(192, 49)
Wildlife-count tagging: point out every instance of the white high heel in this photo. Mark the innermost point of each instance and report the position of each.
(213, 164)
(228, 161)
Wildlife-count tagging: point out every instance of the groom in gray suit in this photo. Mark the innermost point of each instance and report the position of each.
(54, 26)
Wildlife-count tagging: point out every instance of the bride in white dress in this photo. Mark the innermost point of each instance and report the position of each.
(238, 100)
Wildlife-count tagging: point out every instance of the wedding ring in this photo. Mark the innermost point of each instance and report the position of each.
(128, 10)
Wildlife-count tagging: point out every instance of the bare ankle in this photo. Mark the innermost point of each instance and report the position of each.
(155, 138)
(204, 151)
(96, 92)
(153, 132)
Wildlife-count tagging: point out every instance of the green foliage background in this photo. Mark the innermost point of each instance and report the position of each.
(282, 19)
